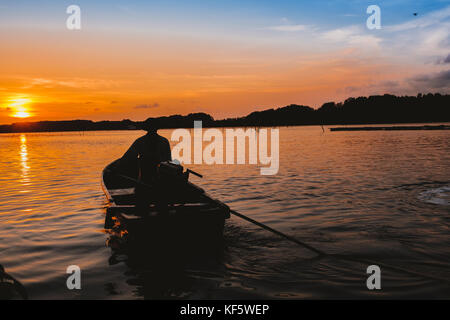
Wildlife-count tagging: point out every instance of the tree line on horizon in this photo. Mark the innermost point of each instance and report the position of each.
(381, 109)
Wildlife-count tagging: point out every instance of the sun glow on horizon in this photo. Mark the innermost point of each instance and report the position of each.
(19, 107)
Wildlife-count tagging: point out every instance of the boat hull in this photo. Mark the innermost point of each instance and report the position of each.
(189, 217)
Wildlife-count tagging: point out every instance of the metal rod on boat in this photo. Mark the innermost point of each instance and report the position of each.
(317, 251)
(240, 215)
(259, 224)
(195, 173)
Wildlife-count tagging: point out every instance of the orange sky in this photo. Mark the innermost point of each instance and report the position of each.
(96, 73)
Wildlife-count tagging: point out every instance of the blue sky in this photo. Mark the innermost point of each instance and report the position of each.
(224, 17)
(223, 57)
(327, 14)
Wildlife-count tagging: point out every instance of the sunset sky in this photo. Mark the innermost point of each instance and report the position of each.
(138, 59)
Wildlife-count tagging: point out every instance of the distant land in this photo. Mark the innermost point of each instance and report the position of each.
(392, 128)
(382, 109)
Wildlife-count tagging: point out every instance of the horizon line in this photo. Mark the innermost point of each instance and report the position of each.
(236, 117)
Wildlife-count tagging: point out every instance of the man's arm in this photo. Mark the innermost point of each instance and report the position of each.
(131, 153)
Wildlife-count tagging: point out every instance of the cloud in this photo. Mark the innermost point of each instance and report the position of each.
(49, 83)
(289, 27)
(423, 22)
(72, 83)
(354, 35)
(389, 83)
(147, 106)
(439, 80)
(373, 88)
(424, 38)
(443, 60)
(351, 89)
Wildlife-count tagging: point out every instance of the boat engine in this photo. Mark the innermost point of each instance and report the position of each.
(173, 171)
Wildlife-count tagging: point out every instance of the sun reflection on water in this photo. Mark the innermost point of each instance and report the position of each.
(24, 159)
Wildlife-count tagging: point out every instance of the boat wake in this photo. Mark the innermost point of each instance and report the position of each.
(438, 196)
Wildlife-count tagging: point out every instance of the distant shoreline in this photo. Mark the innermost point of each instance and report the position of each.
(374, 110)
(392, 128)
(374, 127)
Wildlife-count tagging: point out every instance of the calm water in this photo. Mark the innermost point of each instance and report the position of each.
(382, 196)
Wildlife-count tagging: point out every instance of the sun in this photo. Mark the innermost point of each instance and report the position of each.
(19, 107)
(21, 114)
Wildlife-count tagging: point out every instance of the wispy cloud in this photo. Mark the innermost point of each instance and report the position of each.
(427, 20)
(71, 83)
(447, 60)
(423, 39)
(48, 83)
(147, 106)
(289, 27)
(443, 60)
(354, 36)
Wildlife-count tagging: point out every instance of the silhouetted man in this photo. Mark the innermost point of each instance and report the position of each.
(149, 151)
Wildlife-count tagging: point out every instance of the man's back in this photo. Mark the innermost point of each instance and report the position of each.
(149, 150)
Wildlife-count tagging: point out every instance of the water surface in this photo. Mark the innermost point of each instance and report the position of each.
(378, 196)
